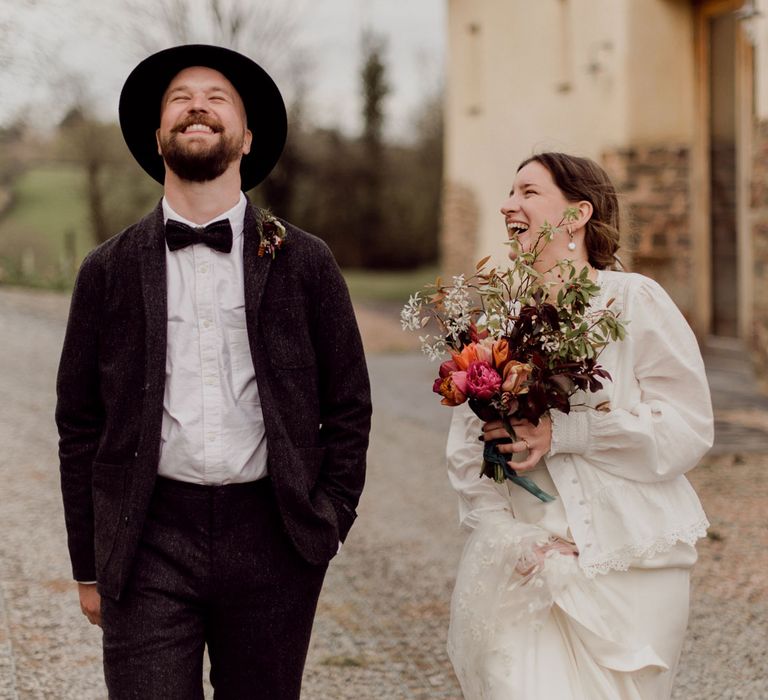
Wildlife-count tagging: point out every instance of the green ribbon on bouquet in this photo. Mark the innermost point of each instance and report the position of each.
(496, 467)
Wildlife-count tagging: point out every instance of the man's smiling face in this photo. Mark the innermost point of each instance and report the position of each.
(203, 125)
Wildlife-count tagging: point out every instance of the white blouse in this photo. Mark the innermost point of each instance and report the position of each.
(619, 472)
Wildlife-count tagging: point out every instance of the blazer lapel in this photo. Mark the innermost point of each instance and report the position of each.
(256, 271)
(154, 287)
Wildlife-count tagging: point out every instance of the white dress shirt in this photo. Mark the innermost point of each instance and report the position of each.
(213, 426)
(618, 474)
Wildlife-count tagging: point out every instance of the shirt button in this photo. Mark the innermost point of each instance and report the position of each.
(581, 503)
(210, 381)
(206, 323)
(588, 544)
(203, 268)
(574, 481)
(211, 437)
(587, 521)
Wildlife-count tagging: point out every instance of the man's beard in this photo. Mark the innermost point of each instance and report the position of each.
(200, 164)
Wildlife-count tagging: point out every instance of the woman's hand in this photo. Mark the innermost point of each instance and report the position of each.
(535, 439)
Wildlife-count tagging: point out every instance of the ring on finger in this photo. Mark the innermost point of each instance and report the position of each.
(525, 442)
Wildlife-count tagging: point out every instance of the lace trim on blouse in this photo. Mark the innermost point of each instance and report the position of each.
(622, 559)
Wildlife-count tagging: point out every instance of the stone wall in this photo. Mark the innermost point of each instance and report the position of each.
(459, 230)
(759, 223)
(654, 194)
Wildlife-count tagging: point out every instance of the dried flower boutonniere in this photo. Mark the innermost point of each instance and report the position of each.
(273, 235)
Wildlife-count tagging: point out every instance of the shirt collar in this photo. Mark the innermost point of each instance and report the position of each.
(236, 216)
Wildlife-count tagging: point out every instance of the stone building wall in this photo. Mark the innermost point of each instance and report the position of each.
(459, 230)
(759, 221)
(654, 195)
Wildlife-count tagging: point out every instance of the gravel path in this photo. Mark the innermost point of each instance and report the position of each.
(382, 619)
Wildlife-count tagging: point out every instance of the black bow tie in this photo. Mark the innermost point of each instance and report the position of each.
(216, 235)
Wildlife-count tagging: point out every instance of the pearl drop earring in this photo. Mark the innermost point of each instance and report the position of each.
(571, 243)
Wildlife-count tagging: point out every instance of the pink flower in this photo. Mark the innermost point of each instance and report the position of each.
(484, 350)
(460, 381)
(447, 367)
(482, 380)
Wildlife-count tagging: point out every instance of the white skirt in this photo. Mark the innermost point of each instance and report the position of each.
(528, 629)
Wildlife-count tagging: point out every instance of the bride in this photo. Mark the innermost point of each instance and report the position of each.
(585, 597)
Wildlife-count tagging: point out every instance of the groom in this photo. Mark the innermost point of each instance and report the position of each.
(213, 401)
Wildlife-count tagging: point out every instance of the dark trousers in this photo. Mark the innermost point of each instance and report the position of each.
(214, 567)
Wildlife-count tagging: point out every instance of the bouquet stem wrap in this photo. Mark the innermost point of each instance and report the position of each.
(496, 467)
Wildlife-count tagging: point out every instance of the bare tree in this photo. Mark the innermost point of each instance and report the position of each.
(115, 192)
(263, 29)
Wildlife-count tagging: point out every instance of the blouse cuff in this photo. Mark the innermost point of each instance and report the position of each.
(569, 432)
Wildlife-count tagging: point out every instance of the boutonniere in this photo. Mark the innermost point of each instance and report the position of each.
(273, 235)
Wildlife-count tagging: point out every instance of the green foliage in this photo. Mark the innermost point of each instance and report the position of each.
(385, 286)
(116, 190)
(376, 204)
(89, 189)
(44, 234)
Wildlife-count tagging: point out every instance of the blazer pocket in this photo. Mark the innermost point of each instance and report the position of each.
(108, 491)
(287, 336)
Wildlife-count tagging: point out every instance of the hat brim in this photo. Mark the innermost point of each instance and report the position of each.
(264, 107)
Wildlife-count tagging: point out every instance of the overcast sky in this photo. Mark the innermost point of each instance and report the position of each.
(83, 38)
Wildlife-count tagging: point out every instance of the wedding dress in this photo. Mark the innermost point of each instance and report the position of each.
(526, 626)
(531, 623)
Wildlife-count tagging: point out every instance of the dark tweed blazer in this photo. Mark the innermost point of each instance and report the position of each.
(310, 369)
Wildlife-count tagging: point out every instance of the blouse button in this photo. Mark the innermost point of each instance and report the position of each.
(574, 481)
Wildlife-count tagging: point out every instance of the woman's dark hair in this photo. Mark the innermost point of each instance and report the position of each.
(583, 179)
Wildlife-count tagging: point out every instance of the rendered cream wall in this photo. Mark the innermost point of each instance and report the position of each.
(627, 70)
(758, 27)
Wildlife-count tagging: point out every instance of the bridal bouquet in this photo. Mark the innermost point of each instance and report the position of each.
(517, 344)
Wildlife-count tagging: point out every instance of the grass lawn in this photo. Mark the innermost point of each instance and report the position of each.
(49, 205)
(387, 286)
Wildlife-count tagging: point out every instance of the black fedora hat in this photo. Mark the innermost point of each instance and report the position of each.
(264, 106)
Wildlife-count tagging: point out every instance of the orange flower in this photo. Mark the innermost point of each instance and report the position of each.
(515, 375)
(501, 354)
(466, 357)
(453, 389)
